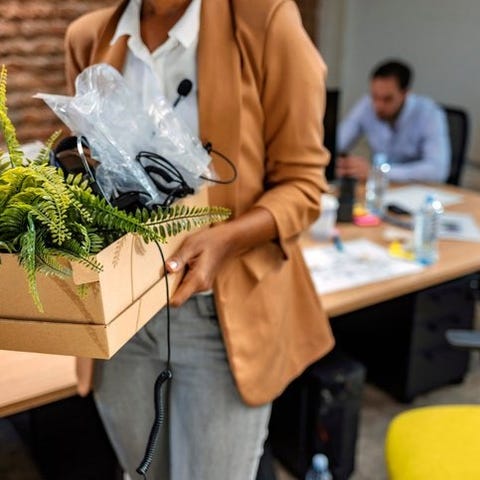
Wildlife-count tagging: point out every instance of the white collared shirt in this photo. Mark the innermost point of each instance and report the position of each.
(149, 74)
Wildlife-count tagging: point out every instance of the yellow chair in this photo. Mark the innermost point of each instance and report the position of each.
(434, 443)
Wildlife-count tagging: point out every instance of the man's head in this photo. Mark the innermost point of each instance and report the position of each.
(389, 86)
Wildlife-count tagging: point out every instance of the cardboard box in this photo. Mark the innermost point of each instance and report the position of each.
(123, 297)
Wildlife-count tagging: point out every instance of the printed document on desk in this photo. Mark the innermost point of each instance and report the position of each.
(361, 262)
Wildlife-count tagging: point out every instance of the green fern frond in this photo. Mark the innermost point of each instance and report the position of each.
(41, 189)
(76, 255)
(3, 86)
(8, 130)
(48, 263)
(6, 247)
(43, 156)
(50, 214)
(174, 220)
(13, 223)
(77, 180)
(27, 259)
(4, 163)
(106, 217)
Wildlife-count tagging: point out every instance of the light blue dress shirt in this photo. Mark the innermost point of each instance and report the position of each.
(417, 145)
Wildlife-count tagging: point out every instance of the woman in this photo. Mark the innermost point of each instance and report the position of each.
(258, 97)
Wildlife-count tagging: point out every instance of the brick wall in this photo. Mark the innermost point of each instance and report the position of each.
(31, 46)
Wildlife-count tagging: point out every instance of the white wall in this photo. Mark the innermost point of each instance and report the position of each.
(439, 38)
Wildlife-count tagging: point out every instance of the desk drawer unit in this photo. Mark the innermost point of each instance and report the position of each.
(402, 341)
(439, 309)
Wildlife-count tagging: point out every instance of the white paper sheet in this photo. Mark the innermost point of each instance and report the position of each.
(412, 197)
(459, 226)
(361, 262)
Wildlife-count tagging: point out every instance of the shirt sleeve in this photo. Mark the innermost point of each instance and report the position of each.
(293, 99)
(350, 129)
(434, 162)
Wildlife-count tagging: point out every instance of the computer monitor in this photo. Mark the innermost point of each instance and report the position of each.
(330, 129)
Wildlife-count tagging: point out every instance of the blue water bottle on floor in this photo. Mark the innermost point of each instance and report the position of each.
(319, 469)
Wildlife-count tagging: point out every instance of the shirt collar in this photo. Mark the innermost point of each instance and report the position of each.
(129, 23)
(185, 30)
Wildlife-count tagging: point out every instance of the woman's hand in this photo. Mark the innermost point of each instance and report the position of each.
(204, 252)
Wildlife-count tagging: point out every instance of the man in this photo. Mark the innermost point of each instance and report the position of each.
(410, 129)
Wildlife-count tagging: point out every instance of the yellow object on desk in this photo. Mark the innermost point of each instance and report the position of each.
(397, 250)
(359, 210)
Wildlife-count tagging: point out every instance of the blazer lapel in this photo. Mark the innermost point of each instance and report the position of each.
(219, 100)
(115, 54)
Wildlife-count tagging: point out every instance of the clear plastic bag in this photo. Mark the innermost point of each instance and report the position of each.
(104, 112)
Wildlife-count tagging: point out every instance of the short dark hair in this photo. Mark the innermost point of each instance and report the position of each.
(396, 69)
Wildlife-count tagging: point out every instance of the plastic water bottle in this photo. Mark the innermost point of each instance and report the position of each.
(426, 228)
(377, 184)
(319, 469)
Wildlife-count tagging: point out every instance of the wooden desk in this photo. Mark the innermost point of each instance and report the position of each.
(29, 380)
(396, 328)
(457, 258)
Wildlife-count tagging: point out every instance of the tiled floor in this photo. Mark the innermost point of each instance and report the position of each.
(377, 411)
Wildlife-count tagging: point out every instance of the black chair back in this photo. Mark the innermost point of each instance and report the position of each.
(458, 126)
(330, 121)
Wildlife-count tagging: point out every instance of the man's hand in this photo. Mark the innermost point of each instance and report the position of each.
(352, 166)
(203, 252)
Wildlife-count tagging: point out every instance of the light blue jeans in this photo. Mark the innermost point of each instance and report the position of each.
(208, 433)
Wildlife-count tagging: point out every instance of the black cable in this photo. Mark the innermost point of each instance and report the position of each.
(167, 291)
(208, 147)
(159, 392)
(164, 169)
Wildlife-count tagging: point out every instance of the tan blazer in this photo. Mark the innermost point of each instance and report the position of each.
(261, 103)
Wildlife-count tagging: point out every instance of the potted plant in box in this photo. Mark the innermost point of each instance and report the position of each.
(47, 217)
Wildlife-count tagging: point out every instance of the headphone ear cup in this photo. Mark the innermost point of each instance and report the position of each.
(67, 157)
(66, 143)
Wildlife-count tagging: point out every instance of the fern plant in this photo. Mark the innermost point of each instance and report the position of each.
(45, 216)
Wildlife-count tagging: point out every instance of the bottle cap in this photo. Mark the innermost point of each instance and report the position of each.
(380, 162)
(432, 200)
(380, 158)
(320, 462)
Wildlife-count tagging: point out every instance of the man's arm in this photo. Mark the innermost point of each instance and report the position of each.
(350, 128)
(434, 163)
(349, 131)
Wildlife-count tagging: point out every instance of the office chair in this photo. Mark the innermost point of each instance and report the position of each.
(437, 442)
(330, 122)
(458, 129)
